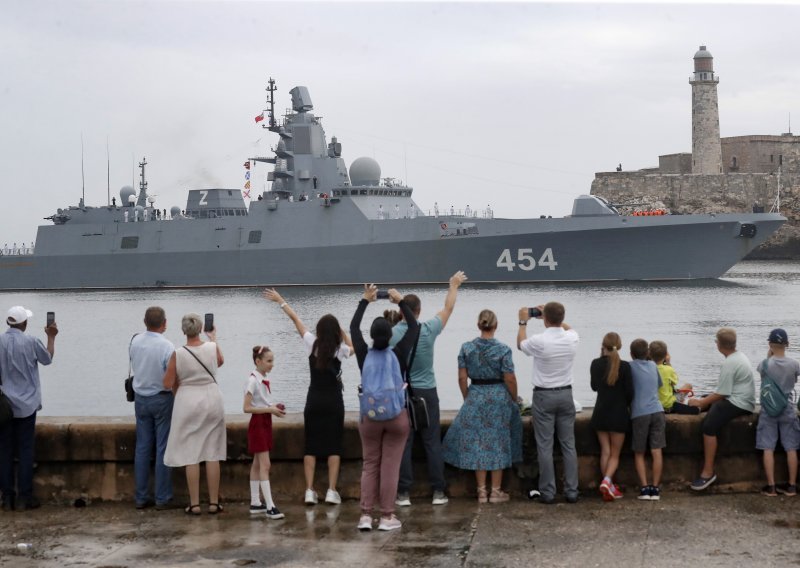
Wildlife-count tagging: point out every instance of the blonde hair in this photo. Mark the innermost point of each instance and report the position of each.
(726, 337)
(487, 320)
(612, 344)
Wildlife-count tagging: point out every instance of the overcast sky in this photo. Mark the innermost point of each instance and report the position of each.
(517, 105)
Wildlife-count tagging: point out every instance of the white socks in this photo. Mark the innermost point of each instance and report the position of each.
(267, 493)
(255, 498)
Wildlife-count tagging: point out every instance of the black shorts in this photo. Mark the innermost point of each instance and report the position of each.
(720, 413)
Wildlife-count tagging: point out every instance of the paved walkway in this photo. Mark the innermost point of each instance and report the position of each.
(681, 529)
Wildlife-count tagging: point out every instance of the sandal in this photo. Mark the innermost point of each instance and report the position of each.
(217, 508)
(483, 496)
(193, 510)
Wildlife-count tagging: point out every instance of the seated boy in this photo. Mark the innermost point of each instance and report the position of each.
(669, 381)
(647, 419)
(783, 371)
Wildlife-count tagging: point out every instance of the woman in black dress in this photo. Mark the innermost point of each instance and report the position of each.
(323, 415)
(611, 379)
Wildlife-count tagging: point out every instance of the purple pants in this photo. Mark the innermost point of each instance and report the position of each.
(382, 445)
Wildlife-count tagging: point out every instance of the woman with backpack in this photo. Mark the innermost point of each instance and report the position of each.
(486, 434)
(384, 424)
(323, 415)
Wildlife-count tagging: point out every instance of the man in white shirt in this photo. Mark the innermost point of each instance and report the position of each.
(553, 353)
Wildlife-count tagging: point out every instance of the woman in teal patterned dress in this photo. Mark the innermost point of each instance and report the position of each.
(486, 435)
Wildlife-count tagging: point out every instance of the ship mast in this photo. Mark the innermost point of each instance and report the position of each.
(142, 185)
(271, 88)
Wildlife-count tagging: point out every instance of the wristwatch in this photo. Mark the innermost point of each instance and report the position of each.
(523, 322)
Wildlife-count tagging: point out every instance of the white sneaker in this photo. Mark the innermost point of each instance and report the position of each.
(310, 497)
(403, 500)
(365, 523)
(439, 498)
(332, 497)
(389, 524)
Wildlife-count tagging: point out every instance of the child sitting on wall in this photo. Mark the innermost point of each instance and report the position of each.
(669, 381)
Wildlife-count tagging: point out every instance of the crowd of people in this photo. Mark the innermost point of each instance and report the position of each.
(180, 412)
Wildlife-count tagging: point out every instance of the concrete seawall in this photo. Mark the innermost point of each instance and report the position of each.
(93, 457)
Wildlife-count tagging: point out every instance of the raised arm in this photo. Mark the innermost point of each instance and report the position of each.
(450, 300)
(359, 345)
(272, 295)
(212, 336)
(406, 344)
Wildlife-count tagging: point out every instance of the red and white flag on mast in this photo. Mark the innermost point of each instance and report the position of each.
(260, 117)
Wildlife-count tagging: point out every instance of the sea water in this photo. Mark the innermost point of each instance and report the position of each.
(95, 327)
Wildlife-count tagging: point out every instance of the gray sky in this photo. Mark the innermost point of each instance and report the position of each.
(516, 104)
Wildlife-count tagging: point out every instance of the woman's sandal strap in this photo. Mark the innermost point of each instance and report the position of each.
(217, 508)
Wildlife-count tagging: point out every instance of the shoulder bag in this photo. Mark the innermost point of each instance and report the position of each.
(773, 399)
(130, 395)
(417, 406)
(201, 363)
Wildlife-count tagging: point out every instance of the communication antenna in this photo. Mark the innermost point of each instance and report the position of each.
(108, 174)
(83, 177)
(271, 100)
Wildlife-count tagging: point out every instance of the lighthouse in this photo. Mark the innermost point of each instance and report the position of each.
(706, 147)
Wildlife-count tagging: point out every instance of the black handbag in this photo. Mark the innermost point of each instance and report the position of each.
(130, 395)
(416, 405)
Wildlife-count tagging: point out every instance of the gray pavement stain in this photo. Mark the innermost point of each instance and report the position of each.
(713, 530)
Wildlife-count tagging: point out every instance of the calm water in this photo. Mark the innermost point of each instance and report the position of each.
(95, 328)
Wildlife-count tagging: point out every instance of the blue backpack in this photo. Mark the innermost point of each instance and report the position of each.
(382, 394)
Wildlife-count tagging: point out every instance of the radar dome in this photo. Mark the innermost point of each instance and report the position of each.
(125, 193)
(174, 211)
(365, 171)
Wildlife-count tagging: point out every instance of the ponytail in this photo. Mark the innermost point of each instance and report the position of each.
(612, 344)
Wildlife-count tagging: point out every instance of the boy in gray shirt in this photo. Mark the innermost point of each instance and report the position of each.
(647, 420)
(784, 372)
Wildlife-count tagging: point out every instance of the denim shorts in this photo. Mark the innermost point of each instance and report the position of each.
(770, 428)
(649, 431)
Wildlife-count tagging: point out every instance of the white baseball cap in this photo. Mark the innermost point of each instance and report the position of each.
(17, 315)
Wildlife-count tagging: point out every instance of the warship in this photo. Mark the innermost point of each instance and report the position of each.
(322, 224)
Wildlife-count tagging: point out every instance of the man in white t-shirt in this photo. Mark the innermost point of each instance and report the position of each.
(553, 353)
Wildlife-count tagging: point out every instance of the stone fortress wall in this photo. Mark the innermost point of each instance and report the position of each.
(755, 170)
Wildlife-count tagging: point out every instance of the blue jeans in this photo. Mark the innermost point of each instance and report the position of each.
(153, 418)
(554, 415)
(431, 441)
(17, 438)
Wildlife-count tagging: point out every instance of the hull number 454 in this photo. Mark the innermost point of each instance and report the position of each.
(524, 259)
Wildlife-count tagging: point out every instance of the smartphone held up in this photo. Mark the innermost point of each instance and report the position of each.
(208, 325)
(51, 318)
(534, 312)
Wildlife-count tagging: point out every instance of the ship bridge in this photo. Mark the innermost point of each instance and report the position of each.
(215, 203)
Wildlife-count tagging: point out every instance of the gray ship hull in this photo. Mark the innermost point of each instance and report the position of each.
(398, 251)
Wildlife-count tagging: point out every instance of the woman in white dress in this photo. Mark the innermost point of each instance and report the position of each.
(197, 432)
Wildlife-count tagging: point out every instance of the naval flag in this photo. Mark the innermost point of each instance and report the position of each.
(247, 185)
(260, 117)
(247, 165)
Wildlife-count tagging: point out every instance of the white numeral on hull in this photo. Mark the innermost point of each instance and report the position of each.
(525, 260)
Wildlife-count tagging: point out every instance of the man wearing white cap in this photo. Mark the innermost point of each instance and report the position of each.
(20, 356)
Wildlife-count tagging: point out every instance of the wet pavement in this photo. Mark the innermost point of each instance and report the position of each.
(681, 529)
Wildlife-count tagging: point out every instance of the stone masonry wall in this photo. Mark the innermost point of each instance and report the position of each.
(728, 193)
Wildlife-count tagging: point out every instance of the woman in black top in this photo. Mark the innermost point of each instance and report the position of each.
(382, 441)
(323, 415)
(611, 379)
